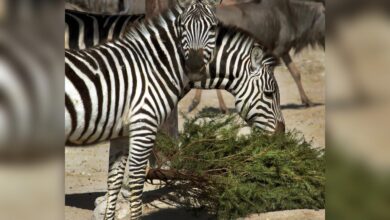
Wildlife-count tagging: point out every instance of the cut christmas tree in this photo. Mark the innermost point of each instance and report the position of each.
(212, 166)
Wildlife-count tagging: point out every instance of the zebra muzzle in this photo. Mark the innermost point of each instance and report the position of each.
(195, 65)
(280, 128)
(195, 61)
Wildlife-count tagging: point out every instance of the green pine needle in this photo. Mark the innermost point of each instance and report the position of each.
(244, 174)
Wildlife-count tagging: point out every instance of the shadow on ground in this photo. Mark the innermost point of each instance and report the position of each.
(299, 106)
(176, 214)
(82, 201)
(213, 110)
(86, 201)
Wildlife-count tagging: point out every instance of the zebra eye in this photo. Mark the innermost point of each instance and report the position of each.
(269, 94)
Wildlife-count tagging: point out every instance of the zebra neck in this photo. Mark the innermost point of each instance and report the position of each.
(231, 60)
(215, 83)
(158, 41)
(165, 20)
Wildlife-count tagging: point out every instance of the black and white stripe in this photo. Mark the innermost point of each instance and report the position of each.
(267, 79)
(196, 28)
(84, 30)
(243, 67)
(128, 87)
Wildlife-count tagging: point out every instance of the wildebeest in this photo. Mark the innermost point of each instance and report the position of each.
(282, 25)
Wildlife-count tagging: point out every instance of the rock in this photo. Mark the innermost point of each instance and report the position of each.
(244, 131)
(98, 212)
(100, 200)
(122, 211)
(299, 214)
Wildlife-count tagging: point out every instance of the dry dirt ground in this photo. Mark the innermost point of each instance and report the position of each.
(85, 168)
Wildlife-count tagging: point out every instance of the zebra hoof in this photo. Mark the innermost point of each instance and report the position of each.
(100, 208)
(122, 211)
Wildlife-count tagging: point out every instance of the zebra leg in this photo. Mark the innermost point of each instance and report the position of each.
(297, 78)
(117, 164)
(196, 100)
(222, 105)
(142, 141)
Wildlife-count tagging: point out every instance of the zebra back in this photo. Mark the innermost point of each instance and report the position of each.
(85, 30)
(150, 56)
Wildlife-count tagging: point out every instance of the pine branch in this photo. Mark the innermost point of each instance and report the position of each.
(232, 176)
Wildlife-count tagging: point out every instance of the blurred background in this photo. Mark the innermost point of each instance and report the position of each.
(356, 96)
(31, 109)
(358, 107)
(107, 6)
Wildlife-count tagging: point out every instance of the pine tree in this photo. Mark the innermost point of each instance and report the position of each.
(212, 167)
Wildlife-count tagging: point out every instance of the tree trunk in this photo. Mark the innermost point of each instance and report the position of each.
(175, 175)
(153, 8)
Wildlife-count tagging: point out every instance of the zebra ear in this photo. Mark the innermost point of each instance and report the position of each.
(260, 58)
(257, 55)
(184, 3)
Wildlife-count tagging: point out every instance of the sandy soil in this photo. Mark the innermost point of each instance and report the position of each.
(86, 169)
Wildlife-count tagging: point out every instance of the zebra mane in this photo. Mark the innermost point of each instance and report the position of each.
(269, 59)
(231, 30)
(169, 15)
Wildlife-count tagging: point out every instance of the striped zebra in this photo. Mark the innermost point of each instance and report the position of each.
(84, 30)
(257, 99)
(129, 86)
(244, 67)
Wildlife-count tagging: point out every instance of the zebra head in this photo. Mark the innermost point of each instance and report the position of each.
(197, 31)
(258, 100)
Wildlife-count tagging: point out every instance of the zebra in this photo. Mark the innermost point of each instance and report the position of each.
(85, 30)
(244, 67)
(283, 25)
(240, 74)
(128, 87)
